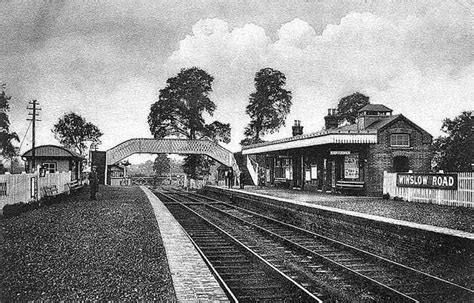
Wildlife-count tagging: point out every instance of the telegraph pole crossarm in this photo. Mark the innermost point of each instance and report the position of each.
(34, 118)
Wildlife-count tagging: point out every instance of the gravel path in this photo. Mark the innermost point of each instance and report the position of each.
(110, 249)
(459, 218)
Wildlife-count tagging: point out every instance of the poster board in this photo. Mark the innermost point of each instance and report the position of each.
(351, 166)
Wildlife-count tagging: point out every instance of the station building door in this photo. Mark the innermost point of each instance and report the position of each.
(298, 170)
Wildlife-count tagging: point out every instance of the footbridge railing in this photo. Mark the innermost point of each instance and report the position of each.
(172, 146)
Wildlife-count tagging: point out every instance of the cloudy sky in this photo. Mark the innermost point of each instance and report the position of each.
(107, 60)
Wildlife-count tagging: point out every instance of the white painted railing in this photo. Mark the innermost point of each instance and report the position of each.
(20, 187)
(252, 167)
(463, 196)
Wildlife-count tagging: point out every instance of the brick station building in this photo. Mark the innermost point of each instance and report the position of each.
(350, 157)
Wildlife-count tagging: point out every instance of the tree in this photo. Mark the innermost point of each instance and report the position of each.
(73, 131)
(179, 112)
(268, 106)
(162, 165)
(455, 152)
(142, 169)
(7, 138)
(349, 106)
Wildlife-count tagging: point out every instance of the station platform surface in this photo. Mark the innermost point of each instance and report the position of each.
(455, 221)
(192, 279)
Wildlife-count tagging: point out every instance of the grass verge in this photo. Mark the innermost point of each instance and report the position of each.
(110, 249)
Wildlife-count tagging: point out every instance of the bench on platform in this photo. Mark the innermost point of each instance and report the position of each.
(350, 186)
(281, 183)
(50, 191)
(74, 186)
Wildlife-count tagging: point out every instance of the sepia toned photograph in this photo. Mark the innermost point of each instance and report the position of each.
(237, 151)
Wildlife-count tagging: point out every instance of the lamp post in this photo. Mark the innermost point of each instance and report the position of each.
(170, 172)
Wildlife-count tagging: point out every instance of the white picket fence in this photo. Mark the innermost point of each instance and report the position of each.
(20, 187)
(463, 196)
(194, 184)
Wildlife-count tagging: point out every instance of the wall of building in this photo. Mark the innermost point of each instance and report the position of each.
(62, 165)
(380, 156)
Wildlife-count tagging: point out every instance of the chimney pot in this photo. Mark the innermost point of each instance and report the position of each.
(331, 119)
(297, 129)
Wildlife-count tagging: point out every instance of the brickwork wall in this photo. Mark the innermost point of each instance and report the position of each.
(380, 156)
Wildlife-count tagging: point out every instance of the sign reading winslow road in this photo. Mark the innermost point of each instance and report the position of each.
(439, 181)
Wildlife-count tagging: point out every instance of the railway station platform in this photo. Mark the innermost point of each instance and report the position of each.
(192, 279)
(454, 221)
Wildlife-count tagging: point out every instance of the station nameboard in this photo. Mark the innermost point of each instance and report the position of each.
(439, 181)
(339, 152)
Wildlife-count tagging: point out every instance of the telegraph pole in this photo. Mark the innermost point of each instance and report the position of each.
(33, 107)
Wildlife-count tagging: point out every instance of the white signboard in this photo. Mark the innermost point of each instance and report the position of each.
(351, 166)
(314, 172)
(339, 152)
(307, 175)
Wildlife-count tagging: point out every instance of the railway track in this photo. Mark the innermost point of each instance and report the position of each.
(352, 271)
(245, 275)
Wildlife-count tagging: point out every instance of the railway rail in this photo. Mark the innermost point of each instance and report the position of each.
(243, 274)
(316, 261)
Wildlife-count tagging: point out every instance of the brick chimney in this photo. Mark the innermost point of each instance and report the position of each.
(297, 128)
(331, 119)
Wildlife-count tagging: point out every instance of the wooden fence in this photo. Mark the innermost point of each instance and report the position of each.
(21, 187)
(463, 196)
(194, 184)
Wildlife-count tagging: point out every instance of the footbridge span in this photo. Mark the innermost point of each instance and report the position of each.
(171, 146)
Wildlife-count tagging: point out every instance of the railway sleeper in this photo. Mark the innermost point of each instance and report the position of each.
(232, 266)
(410, 287)
(267, 297)
(224, 258)
(349, 261)
(231, 277)
(221, 250)
(216, 246)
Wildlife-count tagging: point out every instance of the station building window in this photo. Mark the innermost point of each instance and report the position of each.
(400, 140)
(3, 188)
(284, 168)
(116, 174)
(49, 167)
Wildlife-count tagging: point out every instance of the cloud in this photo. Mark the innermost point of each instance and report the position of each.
(413, 63)
(296, 33)
(107, 60)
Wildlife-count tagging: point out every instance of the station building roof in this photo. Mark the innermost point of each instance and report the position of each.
(348, 134)
(52, 151)
(375, 108)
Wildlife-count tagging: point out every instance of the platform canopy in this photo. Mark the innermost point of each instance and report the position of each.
(313, 139)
